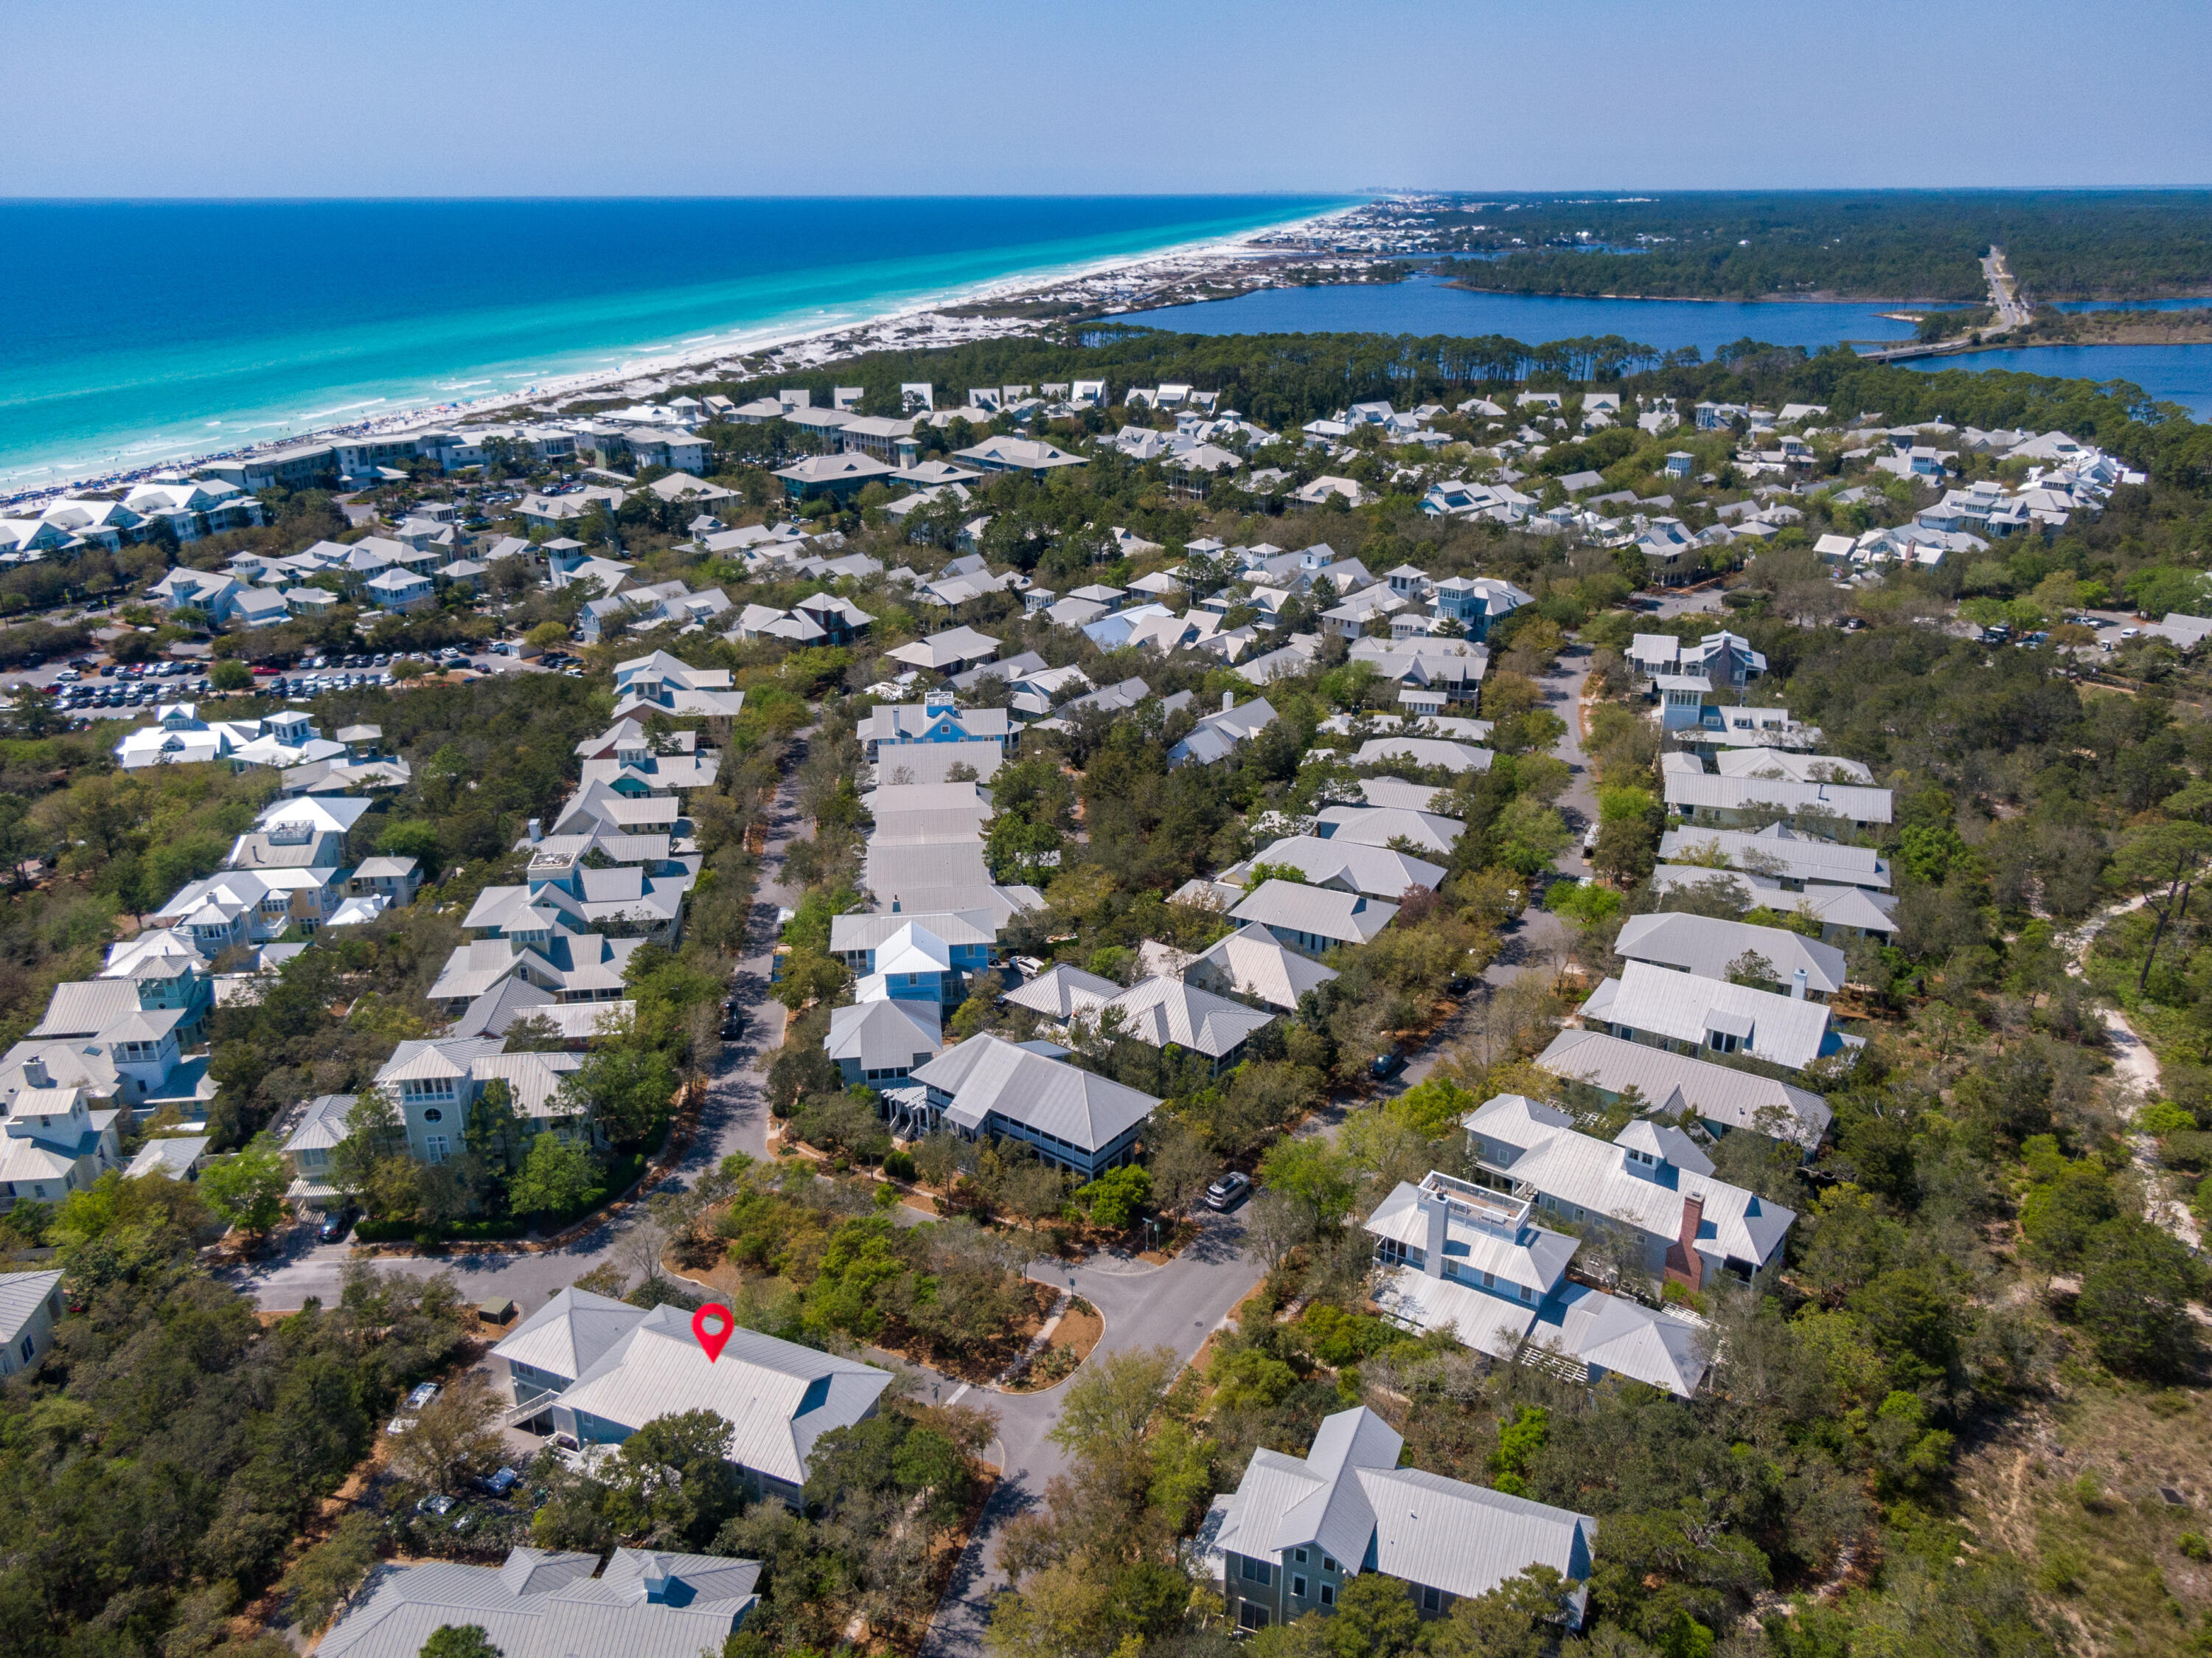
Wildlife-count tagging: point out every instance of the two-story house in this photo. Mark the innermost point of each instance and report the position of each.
(54, 1142)
(435, 1082)
(1651, 1179)
(1297, 1529)
(987, 1087)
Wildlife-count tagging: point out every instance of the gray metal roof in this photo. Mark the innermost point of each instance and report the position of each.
(1348, 1490)
(1712, 793)
(1707, 945)
(986, 1074)
(1321, 911)
(20, 1295)
(1674, 1082)
(567, 1335)
(1533, 1143)
(1164, 1011)
(1063, 990)
(647, 1605)
(1251, 962)
(885, 1035)
(778, 1397)
(1785, 853)
(1352, 866)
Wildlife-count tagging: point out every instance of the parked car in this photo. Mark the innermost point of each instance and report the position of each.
(1590, 840)
(337, 1223)
(422, 1395)
(440, 1505)
(1228, 1191)
(502, 1481)
(1387, 1065)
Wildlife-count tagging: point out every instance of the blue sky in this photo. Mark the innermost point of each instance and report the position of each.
(560, 97)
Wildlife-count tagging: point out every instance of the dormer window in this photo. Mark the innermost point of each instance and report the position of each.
(1644, 1158)
(1723, 1041)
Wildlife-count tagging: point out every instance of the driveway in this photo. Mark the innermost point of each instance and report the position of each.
(1173, 1306)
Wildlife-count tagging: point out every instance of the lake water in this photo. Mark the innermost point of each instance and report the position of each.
(1421, 305)
(2171, 373)
(151, 330)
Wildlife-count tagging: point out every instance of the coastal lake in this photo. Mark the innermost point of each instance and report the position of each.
(154, 330)
(1422, 305)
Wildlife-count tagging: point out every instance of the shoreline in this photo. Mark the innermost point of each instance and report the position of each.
(789, 346)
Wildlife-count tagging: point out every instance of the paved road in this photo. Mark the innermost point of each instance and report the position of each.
(735, 1119)
(1176, 1306)
(2003, 295)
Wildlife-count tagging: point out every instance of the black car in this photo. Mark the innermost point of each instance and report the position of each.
(336, 1224)
(1228, 1191)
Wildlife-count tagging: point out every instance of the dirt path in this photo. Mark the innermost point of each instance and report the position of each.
(2136, 1067)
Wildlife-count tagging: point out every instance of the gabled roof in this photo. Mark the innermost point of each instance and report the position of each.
(568, 1335)
(1063, 990)
(1322, 912)
(987, 1073)
(1251, 962)
(777, 1396)
(1684, 1007)
(1707, 945)
(1351, 866)
(1673, 1083)
(1164, 1011)
(885, 1035)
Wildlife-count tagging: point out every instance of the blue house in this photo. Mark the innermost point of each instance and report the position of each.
(964, 940)
(1475, 601)
(913, 965)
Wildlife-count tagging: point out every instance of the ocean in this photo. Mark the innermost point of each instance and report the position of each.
(140, 332)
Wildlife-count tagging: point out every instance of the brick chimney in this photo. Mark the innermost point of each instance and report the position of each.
(1685, 1265)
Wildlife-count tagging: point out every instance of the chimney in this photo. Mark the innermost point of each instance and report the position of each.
(1684, 1265)
(1438, 1216)
(1228, 701)
(34, 1073)
(537, 830)
(1797, 985)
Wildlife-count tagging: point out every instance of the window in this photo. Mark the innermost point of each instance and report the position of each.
(1327, 1564)
(1432, 1600)
(1328, 1595)
(435, 1146)
(1299, 1555)
(1526, 1294)
(1298, 1587)
(1259, 1571)
(1250, 1617)
(28, 1350)
(434, 1115)
(1490, 1281)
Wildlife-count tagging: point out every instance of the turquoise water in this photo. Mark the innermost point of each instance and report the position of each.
(145, 332)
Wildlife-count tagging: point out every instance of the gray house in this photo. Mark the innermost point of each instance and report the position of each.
(1297, 1528)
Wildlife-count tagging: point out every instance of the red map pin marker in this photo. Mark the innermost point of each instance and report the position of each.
(711, 1324)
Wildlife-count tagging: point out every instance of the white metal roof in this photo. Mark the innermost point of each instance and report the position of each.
(1682, 1006)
